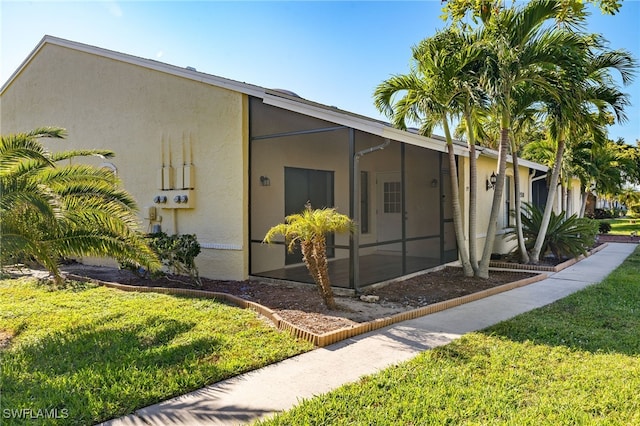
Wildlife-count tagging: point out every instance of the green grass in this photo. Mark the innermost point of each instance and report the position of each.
(95, 353)
(623, 226)
(575, 362)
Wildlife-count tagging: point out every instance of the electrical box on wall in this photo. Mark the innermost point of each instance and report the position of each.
(151, 213)
(175, 199)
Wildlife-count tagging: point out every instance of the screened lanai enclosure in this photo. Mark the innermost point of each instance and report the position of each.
(397, 193)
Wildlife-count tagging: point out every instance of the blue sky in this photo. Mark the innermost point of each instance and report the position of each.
(334, 53)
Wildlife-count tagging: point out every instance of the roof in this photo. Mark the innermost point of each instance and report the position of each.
(492, 153)
(276, 97)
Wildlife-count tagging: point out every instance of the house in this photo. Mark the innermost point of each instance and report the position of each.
(227, 160)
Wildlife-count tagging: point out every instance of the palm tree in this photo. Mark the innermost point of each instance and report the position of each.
(435, 91)
(588, 97)
(524, 128)
(520, 51)
(629, 197)
(50, 211)
(309, 229)
(597, 165)
(628, 160)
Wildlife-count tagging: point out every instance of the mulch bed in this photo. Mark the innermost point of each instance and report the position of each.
(302, 305)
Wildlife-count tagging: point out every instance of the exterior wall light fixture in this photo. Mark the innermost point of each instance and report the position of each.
(491, 182)
(265, 181)
(434, 183)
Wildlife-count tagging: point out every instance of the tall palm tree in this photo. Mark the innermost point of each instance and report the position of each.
(596, 165)
(49, 211)
(588, 96)
(309, 229)
(628, 160)
(524, 128)
(521, 49)
(433, 93)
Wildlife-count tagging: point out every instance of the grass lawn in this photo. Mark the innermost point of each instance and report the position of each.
(623, 226)
(94, 353)
(576, 361)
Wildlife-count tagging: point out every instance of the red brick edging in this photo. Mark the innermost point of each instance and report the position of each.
(557, 268)
(324, 339)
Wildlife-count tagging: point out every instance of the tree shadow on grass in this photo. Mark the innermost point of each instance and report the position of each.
(97, 373)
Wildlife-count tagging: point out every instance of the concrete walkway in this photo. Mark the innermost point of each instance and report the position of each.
(280, 386)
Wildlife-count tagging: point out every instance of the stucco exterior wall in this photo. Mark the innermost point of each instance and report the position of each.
(148, 117)
(485, 166)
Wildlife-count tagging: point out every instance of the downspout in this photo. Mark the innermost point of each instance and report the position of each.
(356, 211)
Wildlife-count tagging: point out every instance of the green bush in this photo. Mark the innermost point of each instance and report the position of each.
(565, 237)
(602, 214)
(176, 252)
(604, 227)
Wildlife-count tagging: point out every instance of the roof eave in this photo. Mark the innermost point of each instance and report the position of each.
(492, 153)
(269, 97)
(225, 83)
(357, 122)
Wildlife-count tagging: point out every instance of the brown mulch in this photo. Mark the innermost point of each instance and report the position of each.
(302, 305)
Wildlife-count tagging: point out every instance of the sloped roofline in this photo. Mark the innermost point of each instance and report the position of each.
(135, 60)
(492, 153)
(269, 97)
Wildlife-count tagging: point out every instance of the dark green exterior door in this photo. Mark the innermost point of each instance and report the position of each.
(302, 186)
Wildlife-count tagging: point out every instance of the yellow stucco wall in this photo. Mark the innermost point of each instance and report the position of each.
(144, 115)
(485, 166)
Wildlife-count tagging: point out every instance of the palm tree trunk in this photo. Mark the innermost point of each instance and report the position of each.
(564, 197)
(483, 267)
(524, 256)
(583, 202)
(473, 195)
(309, 259)
(463, 250)
(555, 175)
(319, 254)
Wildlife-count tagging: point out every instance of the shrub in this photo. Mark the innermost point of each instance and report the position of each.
(604, 227)
(176, 252)
(565, 237)
(602, 214)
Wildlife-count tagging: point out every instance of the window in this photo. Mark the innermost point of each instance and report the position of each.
(392, 200)
(364, 202)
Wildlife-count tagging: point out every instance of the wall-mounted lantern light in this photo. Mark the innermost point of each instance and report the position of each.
(434, 183)
(491, 182)
(265, 181)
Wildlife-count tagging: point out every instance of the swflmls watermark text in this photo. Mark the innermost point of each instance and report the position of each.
(34, 414)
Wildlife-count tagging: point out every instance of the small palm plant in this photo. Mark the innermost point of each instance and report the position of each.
(49, 211)
(309, 228)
